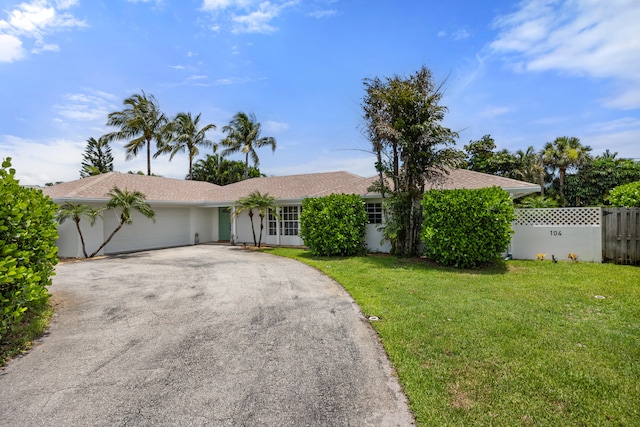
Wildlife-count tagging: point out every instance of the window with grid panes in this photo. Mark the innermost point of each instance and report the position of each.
(374, 213)
(272, 224)
(289, 220)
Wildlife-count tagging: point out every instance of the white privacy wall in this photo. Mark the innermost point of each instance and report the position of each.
(558, 231)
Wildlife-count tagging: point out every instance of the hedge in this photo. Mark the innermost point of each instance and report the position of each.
(28, 252)
(466, 228)
(334, 224)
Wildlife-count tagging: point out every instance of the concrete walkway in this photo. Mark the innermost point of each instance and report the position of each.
(202, 335)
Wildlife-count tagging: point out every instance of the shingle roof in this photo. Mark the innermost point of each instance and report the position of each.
(296, 186)
(463, 178)
(155, 188)
(290, 187)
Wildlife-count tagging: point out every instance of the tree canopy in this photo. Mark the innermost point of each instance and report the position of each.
(403, 120)
(97, 158)
(221, 171)
(141, 122)
(243, 136)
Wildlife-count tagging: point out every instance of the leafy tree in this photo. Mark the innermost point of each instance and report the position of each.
(591, 184)
(77, 212)
(141, 122)
(467, 228)
(243, 135)
(562, 154)
(218, 170)
(97, 158)
(403, 122)
(334, 225)
(126, 202)
(260, 202)
(482, 157)
(626, 195)
(185, 136)
(28, 252)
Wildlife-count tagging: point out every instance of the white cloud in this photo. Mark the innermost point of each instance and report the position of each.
(35, 20)
(247, 16)
(461, 34)
(94, 106)
(275, 127)
(491, 112)
(10, 48)
(42, 161)
(323, 13)
(579, 37)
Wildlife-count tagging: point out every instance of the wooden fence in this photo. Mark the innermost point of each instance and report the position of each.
(621, 235)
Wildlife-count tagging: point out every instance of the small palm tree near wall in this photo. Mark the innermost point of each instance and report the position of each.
(123, 202)
(261, 203)
(77, 212)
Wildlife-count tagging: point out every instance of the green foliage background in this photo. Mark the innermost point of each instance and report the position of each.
(28, 252)
(627, 195)
(334, 224)
(466, 228)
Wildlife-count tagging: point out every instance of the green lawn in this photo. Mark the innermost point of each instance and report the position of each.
(522, 343)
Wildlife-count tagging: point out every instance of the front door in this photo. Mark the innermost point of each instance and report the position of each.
(224, 224)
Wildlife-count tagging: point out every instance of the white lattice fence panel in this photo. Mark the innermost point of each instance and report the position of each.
(567, 217)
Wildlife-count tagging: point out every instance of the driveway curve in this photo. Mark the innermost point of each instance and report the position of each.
(202, 335)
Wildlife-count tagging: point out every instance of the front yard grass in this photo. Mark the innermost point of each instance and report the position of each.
(521, 343)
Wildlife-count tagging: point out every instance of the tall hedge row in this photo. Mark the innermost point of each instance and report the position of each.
(466, 228)
(28, 251)
(334, 224)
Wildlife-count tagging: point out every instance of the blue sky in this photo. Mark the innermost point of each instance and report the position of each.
(525, 72)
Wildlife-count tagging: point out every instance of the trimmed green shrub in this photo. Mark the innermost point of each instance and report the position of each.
(334, 224)
(28, 251)
(466, 228)
(626, 195)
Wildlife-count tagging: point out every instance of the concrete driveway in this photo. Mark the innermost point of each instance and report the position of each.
(202, 335)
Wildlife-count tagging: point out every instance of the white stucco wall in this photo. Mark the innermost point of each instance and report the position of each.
(557, 232)
(373, 238)
(204, 221)
(171, 228)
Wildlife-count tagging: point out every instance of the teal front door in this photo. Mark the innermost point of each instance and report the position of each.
(224, 224)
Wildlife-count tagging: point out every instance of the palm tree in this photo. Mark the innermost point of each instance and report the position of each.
(243, 135)
(563, 153)
(140, 122)
(127, 202)
(529, 167)
(185, 136)
(262, 203)
(76, 212)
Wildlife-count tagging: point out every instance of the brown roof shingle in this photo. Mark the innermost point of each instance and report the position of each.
(155, 188)
(290, 187)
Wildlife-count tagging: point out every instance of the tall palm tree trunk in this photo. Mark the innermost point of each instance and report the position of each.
(148, 157)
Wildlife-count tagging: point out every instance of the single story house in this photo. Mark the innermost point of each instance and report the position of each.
(192, 212)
